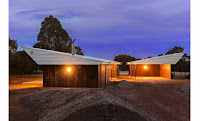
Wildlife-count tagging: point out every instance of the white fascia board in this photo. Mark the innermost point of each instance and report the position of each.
(50, 57)
(166, 59)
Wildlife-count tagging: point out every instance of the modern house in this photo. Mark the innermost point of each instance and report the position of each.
(157, 66)
(71, 70)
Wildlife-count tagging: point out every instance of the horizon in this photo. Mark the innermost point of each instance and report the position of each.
(140, 29)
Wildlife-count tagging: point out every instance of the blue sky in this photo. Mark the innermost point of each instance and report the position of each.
(106, 28)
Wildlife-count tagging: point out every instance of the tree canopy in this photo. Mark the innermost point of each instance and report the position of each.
(52, 36)
(124, 58)
(176, 49)
(182, 64)
(19, 61)
(13, 45)
(160, 55)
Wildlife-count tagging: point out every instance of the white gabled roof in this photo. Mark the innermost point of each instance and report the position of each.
(165, 59)
(50, 57)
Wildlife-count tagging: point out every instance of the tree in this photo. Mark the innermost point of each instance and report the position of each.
(12, 49)
(176, 49)
(19, 61)
(182, 64)
(24, 63)
(12, 45)
(124, 58)
(52, 36)
(160, 55)
(21, 64)
(150, 57)
(78, 50)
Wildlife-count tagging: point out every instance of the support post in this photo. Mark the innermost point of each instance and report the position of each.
(135, 71)
(117, 70)
(132, 69)
(111, 71)
(106, 74)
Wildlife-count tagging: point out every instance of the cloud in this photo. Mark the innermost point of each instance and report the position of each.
(104, 21)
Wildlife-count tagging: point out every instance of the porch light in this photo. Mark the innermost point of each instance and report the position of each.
(69, 69)
(145, 67)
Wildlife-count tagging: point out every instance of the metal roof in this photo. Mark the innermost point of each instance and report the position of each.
(50, 57)
(165, 59)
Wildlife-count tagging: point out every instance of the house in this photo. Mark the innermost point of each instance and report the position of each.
(71, 70)
(157, 66)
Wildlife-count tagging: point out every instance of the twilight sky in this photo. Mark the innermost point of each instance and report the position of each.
(106, 28)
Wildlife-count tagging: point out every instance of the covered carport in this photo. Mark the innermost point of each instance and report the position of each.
(154, 67)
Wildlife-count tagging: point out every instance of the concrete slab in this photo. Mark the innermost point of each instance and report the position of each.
(142, 79)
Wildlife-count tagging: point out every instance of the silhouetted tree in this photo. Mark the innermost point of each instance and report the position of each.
(12, 49)
(78, 50)
(19, 61)
(52, 36)
(24, 64)
(183, 65)
(124, 59)
(13, 45)
(176, 49)
(160, 55)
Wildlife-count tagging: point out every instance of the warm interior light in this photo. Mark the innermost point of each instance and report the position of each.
(145, 67)
(69, 69)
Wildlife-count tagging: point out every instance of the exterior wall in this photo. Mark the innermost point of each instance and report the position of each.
(115, 70)
(165, 70)
(80, 76)
(152, 70)
(102, 74)
(112, 71)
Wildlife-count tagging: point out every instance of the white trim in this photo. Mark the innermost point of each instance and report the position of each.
(50, 57)
(165, 59)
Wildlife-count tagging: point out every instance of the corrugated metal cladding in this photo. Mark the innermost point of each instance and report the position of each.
(49, 57)
(166, 59)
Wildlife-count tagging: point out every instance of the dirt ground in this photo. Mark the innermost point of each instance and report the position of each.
(25, 81)
(105, 113)
(165, 101)
(169, 101)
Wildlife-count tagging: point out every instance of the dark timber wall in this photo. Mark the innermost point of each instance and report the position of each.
(102, 73)
(80, 76)
(152, 70)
